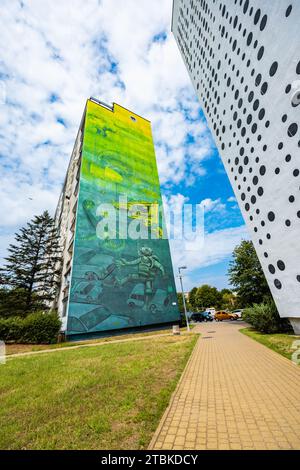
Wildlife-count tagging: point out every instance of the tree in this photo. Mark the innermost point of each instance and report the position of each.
(192, 297)
(246, 275)
(32, 261)
(13, 302)
(228, 299)
(207, 296)
(180, 302)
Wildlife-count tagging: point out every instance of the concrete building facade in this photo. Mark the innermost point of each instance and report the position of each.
(243, 57)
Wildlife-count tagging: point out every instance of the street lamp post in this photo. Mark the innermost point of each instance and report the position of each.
(183, 298)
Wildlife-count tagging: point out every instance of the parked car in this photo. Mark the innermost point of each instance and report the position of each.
(201, 316)
(222, 315)
(238, 312)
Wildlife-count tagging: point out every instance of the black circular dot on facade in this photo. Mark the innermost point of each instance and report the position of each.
(288, 223)
(257, 16)
(255, 180)
(288, 88)
(298, 68)
(260, 191)
(298, 278)
(250, 96)
(277, 171)
(254, 128)
(288, 158)
(271, 268)
(253, 199)
(246, 4)
(277, 284)
(273, 69)
(293, 129)
(261, 114)
(264, 88)
(247, 206)
(246, 161)
(255, 229)
(243, 196)
(262, 170)
(284, 118)
(258, 79)
(280, 145)
(266, 254)
(249, 39)
(291, 198)
(260, 241)
(263, 22)
(256, 105)
(271, 216)
(288, 10)
(296, 172)
(260, 52)
(281, 265)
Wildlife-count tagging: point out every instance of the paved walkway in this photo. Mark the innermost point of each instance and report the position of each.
(234, 394)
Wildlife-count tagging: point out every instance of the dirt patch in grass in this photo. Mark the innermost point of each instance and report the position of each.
(90, 398)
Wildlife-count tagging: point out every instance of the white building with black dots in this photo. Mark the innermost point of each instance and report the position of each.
(243, 57)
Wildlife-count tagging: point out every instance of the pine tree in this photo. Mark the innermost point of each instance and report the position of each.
(32, 261)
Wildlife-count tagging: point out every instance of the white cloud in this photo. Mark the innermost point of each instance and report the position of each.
(69, 52)
(217, 247)
(54, 55)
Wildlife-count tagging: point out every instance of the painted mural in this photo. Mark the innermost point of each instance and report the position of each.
(119, 281)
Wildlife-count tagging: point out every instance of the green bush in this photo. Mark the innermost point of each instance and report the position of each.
(182, 322)
(265, 318)
(36, 328)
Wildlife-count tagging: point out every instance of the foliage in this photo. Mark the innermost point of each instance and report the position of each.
(36, 328)
(246, 275)
(180, 302)
(13, 302)
(265, 318)
(32, 261)
(182, 322)
(192, 297)
(207, 296)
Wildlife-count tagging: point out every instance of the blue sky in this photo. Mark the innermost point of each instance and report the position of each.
(117, 51)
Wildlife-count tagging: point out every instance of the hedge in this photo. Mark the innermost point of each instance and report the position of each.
(265, 318)
(36, 328)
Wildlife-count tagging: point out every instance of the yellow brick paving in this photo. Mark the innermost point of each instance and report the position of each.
(234, 394)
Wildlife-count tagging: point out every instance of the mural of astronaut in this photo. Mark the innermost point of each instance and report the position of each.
(118, 283)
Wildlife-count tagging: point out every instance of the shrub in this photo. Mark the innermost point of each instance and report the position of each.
(182, 322)
(36, 328)
(265, 318)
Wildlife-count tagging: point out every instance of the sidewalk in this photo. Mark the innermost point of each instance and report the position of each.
(234, 394)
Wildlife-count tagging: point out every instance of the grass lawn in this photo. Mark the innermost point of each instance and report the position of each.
(16, 348)
(279, 342)
(91, 398)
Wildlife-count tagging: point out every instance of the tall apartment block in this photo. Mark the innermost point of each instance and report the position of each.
(243, 57)
(116, 270)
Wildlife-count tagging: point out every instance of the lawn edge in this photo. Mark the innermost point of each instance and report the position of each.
(243, 332)
(165, 414)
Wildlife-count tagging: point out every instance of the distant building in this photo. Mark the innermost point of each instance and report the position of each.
(243, 58)
(111, 280)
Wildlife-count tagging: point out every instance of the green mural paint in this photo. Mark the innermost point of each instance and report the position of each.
(119, 282)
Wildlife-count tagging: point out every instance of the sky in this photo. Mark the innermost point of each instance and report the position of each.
(56, 54)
